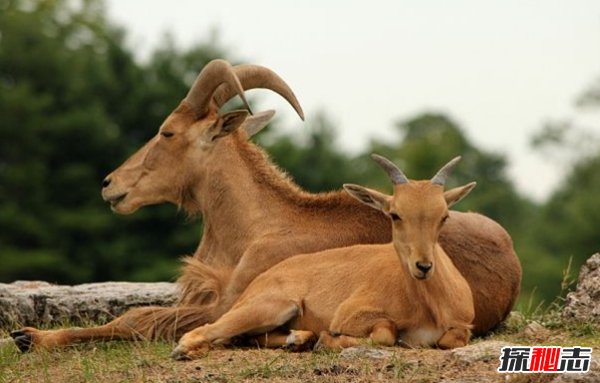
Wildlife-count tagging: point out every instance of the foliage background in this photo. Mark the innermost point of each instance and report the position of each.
(74, 103)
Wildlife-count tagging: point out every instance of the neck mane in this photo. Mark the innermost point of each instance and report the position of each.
(264, 172)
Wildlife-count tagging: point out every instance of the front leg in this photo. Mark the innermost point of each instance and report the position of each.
(262, 314)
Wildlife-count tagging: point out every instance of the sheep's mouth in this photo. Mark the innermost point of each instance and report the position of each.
(421, 276)
(116, 199)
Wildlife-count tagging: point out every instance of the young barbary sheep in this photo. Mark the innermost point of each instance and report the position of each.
(409, 287)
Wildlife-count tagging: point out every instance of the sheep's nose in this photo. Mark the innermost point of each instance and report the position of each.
(106, 182)
(424, 266)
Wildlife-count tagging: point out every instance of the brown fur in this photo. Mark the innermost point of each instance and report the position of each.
(255, 216)
(364, 290)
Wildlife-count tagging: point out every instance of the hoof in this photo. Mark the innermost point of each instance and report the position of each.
(299, 341)
(23, 340)
(196, 352)
(179, 354)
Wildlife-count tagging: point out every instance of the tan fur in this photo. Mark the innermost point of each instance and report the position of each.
(364, 290)
(254, 216)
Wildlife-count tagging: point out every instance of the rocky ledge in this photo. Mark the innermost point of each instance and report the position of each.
(34, 303)
(584, 303)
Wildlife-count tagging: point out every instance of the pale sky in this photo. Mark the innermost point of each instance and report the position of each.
(498, 68)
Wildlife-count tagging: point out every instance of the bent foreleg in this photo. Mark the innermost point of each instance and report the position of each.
(252, 317)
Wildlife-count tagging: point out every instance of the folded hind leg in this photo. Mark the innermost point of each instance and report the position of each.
(383, 332)
(259, 315)
(357, 321)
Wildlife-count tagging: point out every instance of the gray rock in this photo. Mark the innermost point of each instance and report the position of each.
(535, 331)
(365, 352)
(478, 352)
(584, 303)
(34, 303)
(514, 319)
(486, 351)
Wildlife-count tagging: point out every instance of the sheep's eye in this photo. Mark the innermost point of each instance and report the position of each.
(395, 217)
(166, 134)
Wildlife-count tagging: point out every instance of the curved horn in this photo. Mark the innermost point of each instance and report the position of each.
(440, 177)
(392, 170)
(215, 73)
(256, 76)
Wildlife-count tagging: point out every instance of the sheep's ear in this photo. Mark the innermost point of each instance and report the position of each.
(257, 122)
(228, 123)
(452, 196)
(369, 197)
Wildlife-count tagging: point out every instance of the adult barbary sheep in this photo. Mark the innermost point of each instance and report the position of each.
(255, 216)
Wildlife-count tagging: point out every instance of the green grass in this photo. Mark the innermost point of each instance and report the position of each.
(115, 362)
(110, 362)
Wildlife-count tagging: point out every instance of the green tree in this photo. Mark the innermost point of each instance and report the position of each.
(591, 96)
(567, 226)
(572, 214)
(315, 163)
(74, 105)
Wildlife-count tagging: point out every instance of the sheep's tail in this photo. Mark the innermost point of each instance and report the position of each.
(201, 287)
(201, 284)
(165, 323)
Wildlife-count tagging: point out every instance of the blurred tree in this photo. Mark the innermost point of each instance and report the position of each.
(74, 105)
(567, 226)
(565, 142)
(572, 214)
(591, 96)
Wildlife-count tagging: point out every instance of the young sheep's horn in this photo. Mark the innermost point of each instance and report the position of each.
(214, 74)
(392, 170)
(256, 76)
(444, 172)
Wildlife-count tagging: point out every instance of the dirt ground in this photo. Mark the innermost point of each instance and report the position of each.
(150, 362)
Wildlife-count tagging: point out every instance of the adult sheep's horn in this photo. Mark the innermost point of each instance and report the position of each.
(216, 73)
(256, 76)
(444, 172)
(392, 170)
